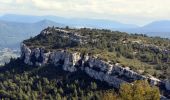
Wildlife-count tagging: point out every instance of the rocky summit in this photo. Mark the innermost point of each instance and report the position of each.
(64, 47)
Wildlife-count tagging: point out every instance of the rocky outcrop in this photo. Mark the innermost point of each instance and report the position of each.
(38, 57)
(110, 79)
(113, 74)
(25, 54)
(73, 36)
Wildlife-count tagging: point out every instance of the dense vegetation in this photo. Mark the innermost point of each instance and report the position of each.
(137, 51)
(22, 82)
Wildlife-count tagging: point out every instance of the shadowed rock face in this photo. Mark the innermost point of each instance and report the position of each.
(113, 74)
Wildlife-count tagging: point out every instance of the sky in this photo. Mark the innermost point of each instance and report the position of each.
(138, 12)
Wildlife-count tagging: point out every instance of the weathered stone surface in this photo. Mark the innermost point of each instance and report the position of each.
(37, 52)
(153, 80)
(70, 60)
(112, 80)
(25, 54)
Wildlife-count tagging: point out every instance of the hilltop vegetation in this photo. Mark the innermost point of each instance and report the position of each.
(139, 52)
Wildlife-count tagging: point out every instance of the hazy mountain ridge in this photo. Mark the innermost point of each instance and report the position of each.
(157, 28)
(12, 33)
(79, 22)
(15, 28)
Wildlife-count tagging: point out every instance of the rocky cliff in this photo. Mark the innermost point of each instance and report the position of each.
(113, 74)
(101, 54)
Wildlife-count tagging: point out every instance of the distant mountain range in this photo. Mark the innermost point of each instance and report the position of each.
(12, 33)
(76, 22)
(15, 28)
(157, 28)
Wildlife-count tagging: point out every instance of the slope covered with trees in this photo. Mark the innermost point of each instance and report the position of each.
(23, 82)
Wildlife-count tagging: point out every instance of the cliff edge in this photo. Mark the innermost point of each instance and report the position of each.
(48, 52)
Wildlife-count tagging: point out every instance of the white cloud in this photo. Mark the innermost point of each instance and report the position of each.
(6, 1)
(135, 11)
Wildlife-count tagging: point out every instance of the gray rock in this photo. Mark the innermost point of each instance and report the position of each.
(26, 53)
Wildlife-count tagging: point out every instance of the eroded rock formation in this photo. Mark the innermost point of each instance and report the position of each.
(113, 74)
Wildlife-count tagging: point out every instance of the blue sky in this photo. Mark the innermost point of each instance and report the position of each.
(127, 11)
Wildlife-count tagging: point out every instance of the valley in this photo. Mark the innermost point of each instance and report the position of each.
(6, 54)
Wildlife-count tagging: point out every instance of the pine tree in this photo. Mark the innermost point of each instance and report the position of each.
(58, 97)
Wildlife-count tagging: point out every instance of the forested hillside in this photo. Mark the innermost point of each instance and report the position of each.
(135, 53)
(23, 82)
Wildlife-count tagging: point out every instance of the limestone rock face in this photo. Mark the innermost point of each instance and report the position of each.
(25, 54)
(113, 74)
(37, 53)
(57, 57)
(97, 63)
(112, 80)
(34, 56)
(70, 61)
(39, 58)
